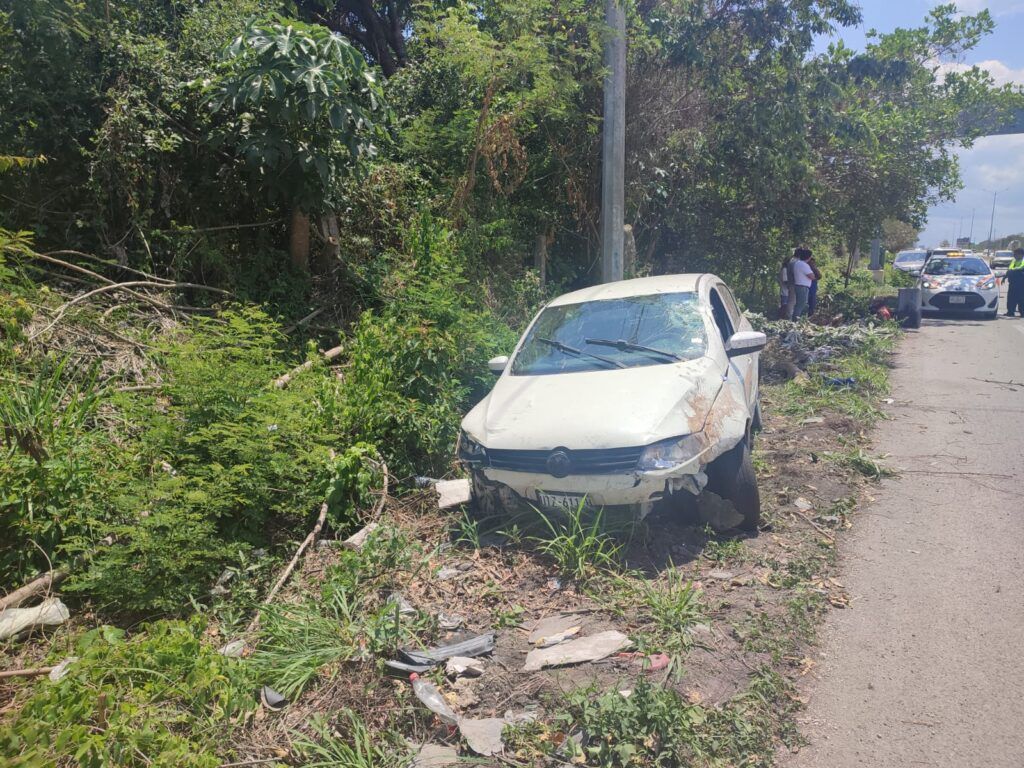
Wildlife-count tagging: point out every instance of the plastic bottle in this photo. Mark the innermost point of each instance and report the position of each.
(433, 700)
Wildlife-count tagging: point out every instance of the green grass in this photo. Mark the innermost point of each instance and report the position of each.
(579, 544)
(348, 744)
(856, 460)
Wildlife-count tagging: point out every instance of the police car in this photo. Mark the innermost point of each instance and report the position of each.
(952, 281)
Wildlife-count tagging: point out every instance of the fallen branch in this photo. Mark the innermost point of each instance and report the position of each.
(304, 320)
(34, 588)
(123, 287)
(283, 381)
(32, 672)
(321, 518)
(827, 534)
(50, 254)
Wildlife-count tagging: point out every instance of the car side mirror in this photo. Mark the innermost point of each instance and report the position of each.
(745, 343)
(497, 364)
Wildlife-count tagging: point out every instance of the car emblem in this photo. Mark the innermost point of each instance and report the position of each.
(559, 463)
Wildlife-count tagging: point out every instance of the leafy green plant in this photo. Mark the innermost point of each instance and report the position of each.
(579, 545)
(162, 697)
(856, 459)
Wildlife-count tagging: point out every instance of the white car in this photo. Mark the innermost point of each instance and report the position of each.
(910, 261)
(624, 394)
(962, 284)
(1000, 262)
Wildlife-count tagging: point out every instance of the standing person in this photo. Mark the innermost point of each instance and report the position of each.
(1015, 277)
(787, 276)
(812, 295)
(785, 289)
(803, 278)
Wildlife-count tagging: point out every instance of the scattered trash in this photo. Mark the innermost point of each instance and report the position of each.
(404, 606)
(582, 649)
(720, 575)
(432, 699)
(447, 573)
(657, 662)
(422, 481)
(554, 584)
(463, 666)
(449, 621)
(471, 647)
(271, 699)
(49, 613)
(232, 650)
(435, 756)
(484, 735)
(463, 694)
(803, 504)
(626, 693)
(358, 539)
(220, 588)
(844, 383)
(59, 672)
(553, 625)
(813, 420)
(452, 493)
(558, 637)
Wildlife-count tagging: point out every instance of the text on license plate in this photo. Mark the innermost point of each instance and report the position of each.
(567, 501)
(957, 299)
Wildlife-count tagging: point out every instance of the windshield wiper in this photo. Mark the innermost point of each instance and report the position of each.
(622, 344)
(578, 352)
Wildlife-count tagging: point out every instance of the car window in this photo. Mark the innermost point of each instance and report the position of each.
(730, 305)
(721, 316)
(940, 265)
(614, 333)
(905, 257)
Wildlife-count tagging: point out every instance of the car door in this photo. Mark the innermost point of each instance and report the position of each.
(744, 367)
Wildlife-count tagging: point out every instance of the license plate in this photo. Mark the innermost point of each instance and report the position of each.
(570, 502)
(957, 299)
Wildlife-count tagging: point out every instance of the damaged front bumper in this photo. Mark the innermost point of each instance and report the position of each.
(641, 490)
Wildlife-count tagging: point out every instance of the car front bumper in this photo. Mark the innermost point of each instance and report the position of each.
(966, 302)
(637, 489)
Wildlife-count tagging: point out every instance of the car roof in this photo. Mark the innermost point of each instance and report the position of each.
(641, 286)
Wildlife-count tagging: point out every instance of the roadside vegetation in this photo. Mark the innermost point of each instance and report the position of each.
(250, 276)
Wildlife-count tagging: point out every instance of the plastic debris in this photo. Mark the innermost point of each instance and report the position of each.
(404, 606)
(843, 383)
(471, 647)
(447, 573)
(552, 625)
(463, 666)
(583, 649)
(656, 662)
(720, 575)
(558, 637)
(803, 504)
(452, 493)
(358, 539)
(449, 621)
(433, 700)
(271, 699)
(232, 650)
(49, 613)
(435, 756)
(59, 672)
(484, 735)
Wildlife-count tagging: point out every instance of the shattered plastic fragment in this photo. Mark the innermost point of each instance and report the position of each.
(473, 646)
(484, 735)
(457, 666)
(49, 613)
(271, 699)
(452, 493)
(577, 651)
(59, 672)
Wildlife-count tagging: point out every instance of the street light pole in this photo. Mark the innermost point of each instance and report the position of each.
(613, 155)
(992, 221)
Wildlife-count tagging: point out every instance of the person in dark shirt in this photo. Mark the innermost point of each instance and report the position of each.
(1015, 278)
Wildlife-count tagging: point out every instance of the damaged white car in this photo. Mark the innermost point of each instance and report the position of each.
(624, 394)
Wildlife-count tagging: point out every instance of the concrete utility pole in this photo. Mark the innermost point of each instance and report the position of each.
(992, 221)
(613, 153)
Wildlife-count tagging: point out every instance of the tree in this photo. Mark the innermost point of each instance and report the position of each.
(301, 107)
(379, 29)
(898, 235)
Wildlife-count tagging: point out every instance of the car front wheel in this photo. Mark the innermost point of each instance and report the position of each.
(732, 477)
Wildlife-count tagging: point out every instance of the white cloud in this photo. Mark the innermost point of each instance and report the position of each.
(1001, 73)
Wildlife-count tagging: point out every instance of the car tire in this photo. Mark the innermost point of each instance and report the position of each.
(732, 477)
(992, 315)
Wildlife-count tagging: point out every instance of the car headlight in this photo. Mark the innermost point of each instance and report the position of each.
(987, 285)
(670, 453)
(930, 285)
(469, 450)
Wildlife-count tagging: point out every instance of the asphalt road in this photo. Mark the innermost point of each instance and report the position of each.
(926, 667)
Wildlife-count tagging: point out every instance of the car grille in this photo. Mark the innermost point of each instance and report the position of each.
(602, 461)
(941, 300)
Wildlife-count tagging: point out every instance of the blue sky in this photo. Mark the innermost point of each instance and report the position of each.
(994, 164)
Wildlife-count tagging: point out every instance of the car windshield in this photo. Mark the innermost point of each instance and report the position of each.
(614, 333)
(942, 266)
(911, 256)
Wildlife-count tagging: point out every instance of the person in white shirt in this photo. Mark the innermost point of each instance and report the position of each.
(803, 276)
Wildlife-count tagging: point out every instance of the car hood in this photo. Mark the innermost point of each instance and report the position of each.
(957, 282)
(596, 409)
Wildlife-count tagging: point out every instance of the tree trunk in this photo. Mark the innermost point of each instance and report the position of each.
(332, 236)
(628, 252)
(540, 256)
(298, 245)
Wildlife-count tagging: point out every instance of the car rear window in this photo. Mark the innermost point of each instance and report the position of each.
(671, 323)
(905, 257)
(940, 265)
